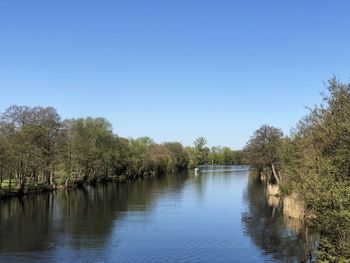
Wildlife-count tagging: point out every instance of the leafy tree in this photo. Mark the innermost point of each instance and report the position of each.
(161, 159)
(215, 156)
(263, 150)
(139, 157)
(179, 155)
(200, 151)
(33, 135)
(91, 148)
(200, 143)
(121, 156)
(319, 162)
(224, 156)
(315, 163)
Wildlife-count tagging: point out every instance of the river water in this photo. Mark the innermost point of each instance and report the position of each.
(222, 215)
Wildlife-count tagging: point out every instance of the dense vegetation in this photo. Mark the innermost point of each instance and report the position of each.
(39, 151)
(314, 161)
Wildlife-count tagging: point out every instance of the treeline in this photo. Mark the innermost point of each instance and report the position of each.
(200, 154)
(38, 150)
(314, 162)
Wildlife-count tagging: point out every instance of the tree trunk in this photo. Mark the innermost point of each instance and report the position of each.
(275, 175)
(2, 171)
(51, 179)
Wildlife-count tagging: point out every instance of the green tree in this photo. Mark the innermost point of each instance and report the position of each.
(318, 169)
(200, 151)
(263, 150)
(34, 136)
(179, 155)
(91, 148)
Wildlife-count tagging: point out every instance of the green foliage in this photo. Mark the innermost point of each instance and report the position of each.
(224, 156)
(91, 146)
(263, 148)
(200, 143)
(32, 138)
(315, 163)
(200, 152)
(179, 155)
(324, 179)
(36, 146)
(263, 151)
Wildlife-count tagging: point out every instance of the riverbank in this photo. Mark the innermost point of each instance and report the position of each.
(297, 217)
(14, 191)
(311, 165)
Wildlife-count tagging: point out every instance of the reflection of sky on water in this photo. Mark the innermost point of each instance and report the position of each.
(219, 216)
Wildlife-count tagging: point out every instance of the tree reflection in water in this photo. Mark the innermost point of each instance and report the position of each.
(181, 217)
(282, 238)
(79, 218)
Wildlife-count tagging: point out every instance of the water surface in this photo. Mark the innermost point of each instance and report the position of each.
(220, 216)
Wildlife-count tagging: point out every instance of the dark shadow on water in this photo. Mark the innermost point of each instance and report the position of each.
(35, 222)
(280, 237)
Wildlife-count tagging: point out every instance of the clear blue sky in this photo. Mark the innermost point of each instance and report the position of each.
(174, 70)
